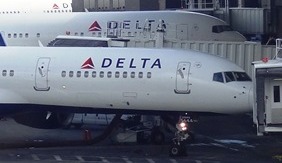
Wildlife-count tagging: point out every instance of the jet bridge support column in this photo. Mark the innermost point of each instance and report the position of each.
(159, 37)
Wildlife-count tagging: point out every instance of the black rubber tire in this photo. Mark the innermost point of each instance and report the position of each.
(175, 150)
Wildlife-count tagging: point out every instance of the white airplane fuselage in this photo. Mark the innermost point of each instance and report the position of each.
(28, 29)
(12, 7)
(113, 79)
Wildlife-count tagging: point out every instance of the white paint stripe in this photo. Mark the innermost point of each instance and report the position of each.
(80, 158)
(35, 157)
(104, 160)
(58, 158)
(150, 160)
(198, 161)
(127, 160)
(173, 160)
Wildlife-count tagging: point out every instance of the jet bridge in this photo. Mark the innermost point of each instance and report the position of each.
(267, 108)
(82, 41)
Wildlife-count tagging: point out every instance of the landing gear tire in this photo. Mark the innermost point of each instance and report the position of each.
(177, 150)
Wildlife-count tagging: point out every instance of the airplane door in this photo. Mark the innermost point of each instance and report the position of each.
(41, 74)
(182, 31)
(182, 78)
(274, 100)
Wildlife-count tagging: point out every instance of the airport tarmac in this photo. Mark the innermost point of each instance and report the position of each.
(218, 139)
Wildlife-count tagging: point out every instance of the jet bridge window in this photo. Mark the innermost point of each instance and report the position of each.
(276, 93)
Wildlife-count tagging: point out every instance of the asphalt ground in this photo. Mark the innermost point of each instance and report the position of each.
(217, 139)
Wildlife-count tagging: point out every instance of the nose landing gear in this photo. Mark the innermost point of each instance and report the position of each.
(182, 134)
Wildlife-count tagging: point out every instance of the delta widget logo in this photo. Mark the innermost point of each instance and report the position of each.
(88, 64)
(95, 27)
(55, 6)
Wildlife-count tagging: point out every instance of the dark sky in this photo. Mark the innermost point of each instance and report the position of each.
(232, 3)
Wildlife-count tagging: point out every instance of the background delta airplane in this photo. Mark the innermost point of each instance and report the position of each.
(34, 6)
(45, 86)
(28, 29)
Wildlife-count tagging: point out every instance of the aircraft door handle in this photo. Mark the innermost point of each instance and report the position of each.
(40, 72)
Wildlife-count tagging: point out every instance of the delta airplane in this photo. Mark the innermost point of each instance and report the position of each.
(120, 80)
(28, 29)
(31, 6)
(43, 87)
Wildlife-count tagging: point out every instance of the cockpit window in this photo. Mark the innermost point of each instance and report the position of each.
(242, 76)
(218, 77)
(221, 28)
(230, 76)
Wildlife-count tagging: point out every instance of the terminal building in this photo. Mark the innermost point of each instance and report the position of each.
(258, 20)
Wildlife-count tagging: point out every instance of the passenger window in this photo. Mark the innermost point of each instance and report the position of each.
(11, 72)
(9, 35)
(117, 74)
(101, 74)
(15, 35)
(38, 35)
(78, 74)
(26, 35)
(94, 74)
(86, 74)
(132, 75)
(109, 74)
(71, 74)
(21, 35)
(149, 75)
(124, 75)
(64, 74)
(140, 75)
(218, 77)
